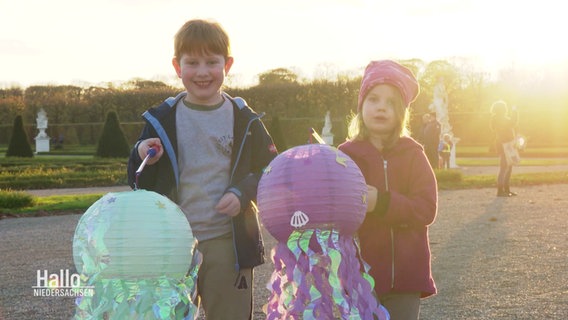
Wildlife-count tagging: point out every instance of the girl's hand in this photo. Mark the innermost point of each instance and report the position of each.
(229, 204)
(372, 197)
(144, 147)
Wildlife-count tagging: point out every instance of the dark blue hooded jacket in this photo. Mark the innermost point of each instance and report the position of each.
(253, 149)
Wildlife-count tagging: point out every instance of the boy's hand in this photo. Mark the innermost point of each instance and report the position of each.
(372, 196)
(229, 204)
(145, 146)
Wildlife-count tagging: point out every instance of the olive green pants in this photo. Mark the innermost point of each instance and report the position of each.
(224, 292)
(402, 306)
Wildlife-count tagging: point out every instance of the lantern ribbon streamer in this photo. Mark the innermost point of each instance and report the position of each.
(318, 276)
(160, 298)
(130, 297)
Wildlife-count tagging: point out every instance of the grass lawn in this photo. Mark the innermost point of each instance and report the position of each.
(59, 170)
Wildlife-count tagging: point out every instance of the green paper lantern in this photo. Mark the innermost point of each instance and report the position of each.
(133, 235)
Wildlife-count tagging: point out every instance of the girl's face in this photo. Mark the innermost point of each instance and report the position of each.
(378, 110)
(202, 76)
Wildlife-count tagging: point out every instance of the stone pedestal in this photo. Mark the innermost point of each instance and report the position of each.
(453, 164)
(42, 139)
(42, 144)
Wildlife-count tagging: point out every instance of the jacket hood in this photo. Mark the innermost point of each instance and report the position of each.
(164, 109)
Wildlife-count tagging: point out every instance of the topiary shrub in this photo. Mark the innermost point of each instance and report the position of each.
(19, 144)
(112, 143)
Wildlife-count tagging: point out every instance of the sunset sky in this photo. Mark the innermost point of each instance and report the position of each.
(93, 41)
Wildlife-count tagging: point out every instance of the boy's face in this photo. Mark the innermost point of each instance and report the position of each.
(202, 76)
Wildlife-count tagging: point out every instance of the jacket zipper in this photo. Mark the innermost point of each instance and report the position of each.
(237, 266)
(391, 229)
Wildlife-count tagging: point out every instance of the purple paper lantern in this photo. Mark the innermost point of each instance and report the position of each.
(312, 186)
(312, 199)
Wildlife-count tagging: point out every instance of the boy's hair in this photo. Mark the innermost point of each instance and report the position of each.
(358, 131)
(201, 37)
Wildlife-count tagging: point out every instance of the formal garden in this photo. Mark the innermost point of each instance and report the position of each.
(91, 130)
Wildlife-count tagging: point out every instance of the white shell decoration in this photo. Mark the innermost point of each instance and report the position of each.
(299, 219)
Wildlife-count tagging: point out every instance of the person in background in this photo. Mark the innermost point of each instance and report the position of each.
(503, 125)
(402, 200)
(210, 153)
(444, 149)
(431, 139)
(420, 134)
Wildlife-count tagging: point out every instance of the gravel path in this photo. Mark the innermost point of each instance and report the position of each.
(493, 258)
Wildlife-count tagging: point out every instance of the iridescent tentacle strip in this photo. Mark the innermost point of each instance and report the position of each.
(323, 284)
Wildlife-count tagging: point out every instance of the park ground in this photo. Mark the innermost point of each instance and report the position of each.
(492, 258)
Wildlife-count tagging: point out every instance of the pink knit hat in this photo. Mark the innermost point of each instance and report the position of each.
(389, 72)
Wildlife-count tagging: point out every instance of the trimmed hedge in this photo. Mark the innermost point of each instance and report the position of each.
(61, 173)
(14, 199)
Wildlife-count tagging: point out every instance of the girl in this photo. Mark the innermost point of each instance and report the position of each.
(402, 200)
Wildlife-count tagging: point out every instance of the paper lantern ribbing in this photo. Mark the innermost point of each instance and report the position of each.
(136, 249)
(312, 199)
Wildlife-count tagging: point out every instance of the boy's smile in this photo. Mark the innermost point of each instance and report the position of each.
(202, 75)
(203, 84)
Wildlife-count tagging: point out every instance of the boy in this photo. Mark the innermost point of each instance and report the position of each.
(210, 152)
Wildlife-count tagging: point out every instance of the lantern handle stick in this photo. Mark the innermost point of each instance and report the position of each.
(317, 136)
(151, 153)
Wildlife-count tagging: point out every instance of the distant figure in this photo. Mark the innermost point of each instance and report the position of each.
(59, 142)
(444, 150)
(503, 126)
(425, 122)
(431, 139)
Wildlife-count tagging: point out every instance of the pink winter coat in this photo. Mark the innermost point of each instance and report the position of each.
(394, 237)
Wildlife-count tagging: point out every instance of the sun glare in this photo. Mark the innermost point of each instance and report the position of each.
(305, 36)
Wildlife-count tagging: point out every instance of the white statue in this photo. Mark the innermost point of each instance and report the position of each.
(440, 107)
(42, 139)
(326, 134)
(41, 119)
